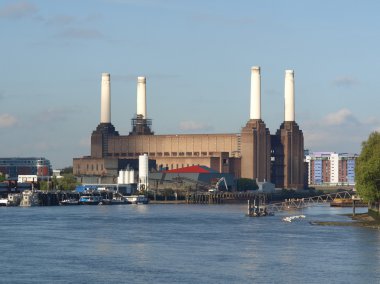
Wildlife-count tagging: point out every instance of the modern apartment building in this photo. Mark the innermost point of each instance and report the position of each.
(330, 168)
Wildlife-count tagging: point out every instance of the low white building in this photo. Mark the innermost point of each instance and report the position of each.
(27, 178)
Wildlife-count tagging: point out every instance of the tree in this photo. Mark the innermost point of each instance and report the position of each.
(2, 177)
(244, 184)
(67, 182)
(367, 169)
(67, 170)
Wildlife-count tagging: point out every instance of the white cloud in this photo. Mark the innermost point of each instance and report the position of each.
(7, 120)
(342, 116)
(190, 125)
(340, 131)
(18, 9)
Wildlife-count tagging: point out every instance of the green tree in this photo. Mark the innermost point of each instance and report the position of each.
(367, 169)
(43, 185)
(67, 170)
(244, 184)
(67, 182)
(2, 177)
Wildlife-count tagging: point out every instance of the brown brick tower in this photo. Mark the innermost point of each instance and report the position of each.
(255, 137)
(288, 144)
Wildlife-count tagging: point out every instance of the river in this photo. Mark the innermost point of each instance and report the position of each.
(182, 244)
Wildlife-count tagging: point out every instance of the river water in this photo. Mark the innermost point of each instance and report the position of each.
(182, 244)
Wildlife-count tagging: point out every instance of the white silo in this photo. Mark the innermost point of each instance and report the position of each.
(143, 172)
(131, 174)
(120, 178)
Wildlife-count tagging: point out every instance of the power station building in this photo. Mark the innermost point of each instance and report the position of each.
(253, 153)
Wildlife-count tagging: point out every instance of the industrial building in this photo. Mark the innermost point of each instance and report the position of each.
(251, 153)
(330, 168)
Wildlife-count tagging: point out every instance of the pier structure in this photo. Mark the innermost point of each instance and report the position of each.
(223, 197)
(300, 203)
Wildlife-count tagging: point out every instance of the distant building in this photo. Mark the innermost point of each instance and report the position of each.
(330, 168)
(13, 167)
(251, 153)
(192, 177)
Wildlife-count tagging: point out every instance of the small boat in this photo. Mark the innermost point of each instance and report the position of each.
(69, 201)
(3, 201)
(14, 199)
(90, 199)
(137, 199)
(29, 198)
(291, 218)
(114, 201)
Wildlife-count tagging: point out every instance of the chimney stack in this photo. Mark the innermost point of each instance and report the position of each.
(105, 107)
(255, 109)
(289, 96)
(141, 96)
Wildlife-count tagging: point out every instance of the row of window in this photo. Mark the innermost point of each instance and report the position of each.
(164, 154)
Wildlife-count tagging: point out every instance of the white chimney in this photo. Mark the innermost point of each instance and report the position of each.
(289, 96)
(141, 96)
(105, 101)
(255, 110)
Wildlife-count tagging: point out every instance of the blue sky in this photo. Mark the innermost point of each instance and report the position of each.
(197, 57)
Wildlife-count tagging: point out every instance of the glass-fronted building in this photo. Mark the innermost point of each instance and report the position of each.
(12, 167)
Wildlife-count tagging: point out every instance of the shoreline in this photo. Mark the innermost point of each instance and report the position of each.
(359, 220)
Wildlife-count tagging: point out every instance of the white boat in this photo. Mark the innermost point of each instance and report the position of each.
(29, 198)
(291, 218)
(137, 199)
(116, 200)
(69, 201)
(3, 201)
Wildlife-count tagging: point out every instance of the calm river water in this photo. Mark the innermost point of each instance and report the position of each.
(182, 244)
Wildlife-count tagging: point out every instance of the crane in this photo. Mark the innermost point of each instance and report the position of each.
(216, 188)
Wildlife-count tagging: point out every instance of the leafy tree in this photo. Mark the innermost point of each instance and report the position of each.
(2, 177)
(67, 170)
(244, 184)
(367, 169)
(43, 185)
(67, 182)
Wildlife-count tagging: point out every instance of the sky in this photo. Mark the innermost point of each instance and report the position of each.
(196, 56)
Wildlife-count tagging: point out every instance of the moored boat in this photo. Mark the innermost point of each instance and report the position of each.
(3, 201)
(90, 199)
(29, 198)
(14, 199)
(137, 199)
(68, 202)
(116, 200)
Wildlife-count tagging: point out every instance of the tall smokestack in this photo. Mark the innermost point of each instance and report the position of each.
(141, 96)
(289, 96)
(105, 107)
(255, 110)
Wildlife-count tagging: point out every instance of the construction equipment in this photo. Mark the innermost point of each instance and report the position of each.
(216, 188)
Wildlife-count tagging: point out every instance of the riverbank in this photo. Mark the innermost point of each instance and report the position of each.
(359, 220)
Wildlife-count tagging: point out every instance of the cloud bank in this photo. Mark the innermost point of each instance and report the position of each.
(19, 9)
(7, 120)
(340, 131)
(191, 126)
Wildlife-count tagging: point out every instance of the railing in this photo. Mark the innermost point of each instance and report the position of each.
(294, 204)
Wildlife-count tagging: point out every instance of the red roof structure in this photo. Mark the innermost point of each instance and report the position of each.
(193, 170)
